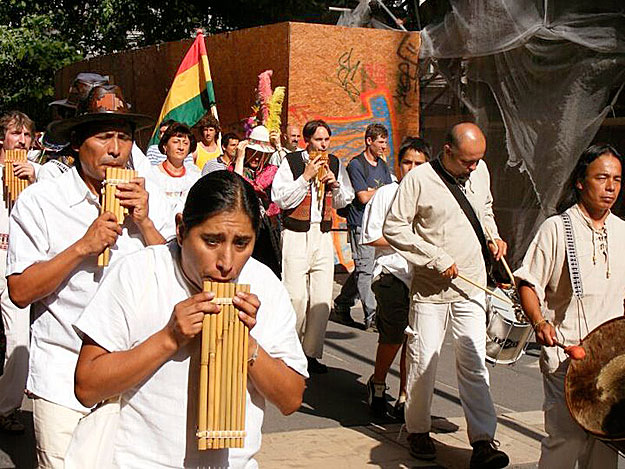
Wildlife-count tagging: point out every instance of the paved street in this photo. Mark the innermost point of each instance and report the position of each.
(334, 429)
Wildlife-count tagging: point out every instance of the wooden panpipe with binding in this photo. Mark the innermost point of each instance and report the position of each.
(110, 203)
(13, 186)
(223, 372)
(321, 173)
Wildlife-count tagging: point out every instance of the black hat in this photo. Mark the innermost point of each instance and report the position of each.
(104, 103)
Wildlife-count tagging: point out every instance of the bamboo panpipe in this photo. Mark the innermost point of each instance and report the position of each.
(320, 175)
(223, 372)
(110, 203)
(13, 186)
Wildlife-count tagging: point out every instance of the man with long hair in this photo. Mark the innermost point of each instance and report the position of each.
(566, 304)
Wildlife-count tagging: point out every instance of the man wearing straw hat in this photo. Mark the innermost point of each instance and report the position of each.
(436, 222)
(56, 235)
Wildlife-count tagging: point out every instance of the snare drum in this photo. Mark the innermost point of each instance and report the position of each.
(506, 336)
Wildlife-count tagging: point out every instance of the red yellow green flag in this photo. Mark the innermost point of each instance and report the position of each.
(191, 94)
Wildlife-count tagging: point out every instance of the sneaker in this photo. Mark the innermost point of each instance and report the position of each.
(422, 446)
(342, 316)
(398, 410)
(486, 455)
(370, 324)
(375, 398)
(314, 366)
(12, 423)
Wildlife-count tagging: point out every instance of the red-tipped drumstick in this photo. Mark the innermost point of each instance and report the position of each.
(576, 352)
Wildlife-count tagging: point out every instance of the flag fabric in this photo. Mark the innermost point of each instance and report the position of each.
(191, 94)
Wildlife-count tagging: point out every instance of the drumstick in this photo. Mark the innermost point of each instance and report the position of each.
(576, 352)
(503, 259)
(490, 292)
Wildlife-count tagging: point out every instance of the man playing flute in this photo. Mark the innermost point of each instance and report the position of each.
(567, 307)
(16, 133)
(427, 226)
(56, 235)
(307, 250)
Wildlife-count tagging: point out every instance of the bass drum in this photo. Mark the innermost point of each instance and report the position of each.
(595, 386)
(506, 334)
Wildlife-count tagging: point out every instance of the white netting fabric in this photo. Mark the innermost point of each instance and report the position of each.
(549, 72)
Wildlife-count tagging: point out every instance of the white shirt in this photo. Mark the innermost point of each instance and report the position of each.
(288, 193)
(175, 189)
(159, 417)
(49, 217)
(139, 161)
(602, 275)
(52, 169)
(372, 222)
(426, 225)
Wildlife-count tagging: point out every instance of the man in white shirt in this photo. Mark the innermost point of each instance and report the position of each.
(427, 226)
(307, 249)
(16, 133)
(391, 284)
(56, 235)
(567, 307)
(290, 143)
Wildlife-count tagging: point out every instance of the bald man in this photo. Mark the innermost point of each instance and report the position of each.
(427, 226)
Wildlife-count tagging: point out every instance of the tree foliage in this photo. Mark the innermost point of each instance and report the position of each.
(30, 54)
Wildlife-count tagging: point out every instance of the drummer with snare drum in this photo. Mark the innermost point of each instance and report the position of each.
(571, 281)
(427, 226)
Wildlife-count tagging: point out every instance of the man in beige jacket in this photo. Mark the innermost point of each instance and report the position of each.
(567, 307)
(427, 226)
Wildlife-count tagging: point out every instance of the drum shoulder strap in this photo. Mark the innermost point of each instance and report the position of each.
(466, 207)
(571, 256)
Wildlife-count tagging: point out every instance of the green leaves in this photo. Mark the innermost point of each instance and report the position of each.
(30, 53)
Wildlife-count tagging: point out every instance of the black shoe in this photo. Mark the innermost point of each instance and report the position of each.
(314, 366)
(342, 316)
(398, 411)
(376, 398)
(12, 423)
(422, 446)
(486, 455)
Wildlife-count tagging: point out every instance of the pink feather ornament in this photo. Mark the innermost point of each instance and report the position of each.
(264, 93)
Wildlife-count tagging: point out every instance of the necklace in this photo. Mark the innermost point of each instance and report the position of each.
(172, 174)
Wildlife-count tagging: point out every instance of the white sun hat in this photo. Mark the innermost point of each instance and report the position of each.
(259, 140)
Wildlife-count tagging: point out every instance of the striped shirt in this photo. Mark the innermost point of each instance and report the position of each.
(156, 157)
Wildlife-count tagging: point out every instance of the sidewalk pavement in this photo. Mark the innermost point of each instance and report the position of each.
(386, 446)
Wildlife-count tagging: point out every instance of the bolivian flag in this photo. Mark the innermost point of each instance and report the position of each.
(191, 94)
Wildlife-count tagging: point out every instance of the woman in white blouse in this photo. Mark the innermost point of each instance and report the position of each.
(140, 332)
(172, 175)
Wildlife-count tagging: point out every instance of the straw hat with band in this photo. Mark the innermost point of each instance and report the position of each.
(105, 103)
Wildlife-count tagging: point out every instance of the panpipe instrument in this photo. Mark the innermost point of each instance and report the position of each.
(13, 186)
(321, 173)
(110, 203)
(223, 372)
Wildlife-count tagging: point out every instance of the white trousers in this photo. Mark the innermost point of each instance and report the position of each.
(307, 274)
(468, 324)
(54, 425)
(17, 331)
(567, 445)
